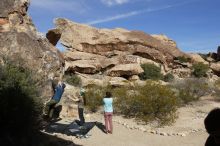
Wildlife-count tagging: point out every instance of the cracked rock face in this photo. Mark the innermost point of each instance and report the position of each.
(19, 41)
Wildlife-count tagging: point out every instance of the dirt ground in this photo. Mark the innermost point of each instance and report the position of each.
(188, 130)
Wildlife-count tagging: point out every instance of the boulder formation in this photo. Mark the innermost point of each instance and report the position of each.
(115, 53)
(196, 58)
(165, 39)
(20, 42)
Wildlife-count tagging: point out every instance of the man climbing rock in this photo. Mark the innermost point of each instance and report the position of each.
(54, 100)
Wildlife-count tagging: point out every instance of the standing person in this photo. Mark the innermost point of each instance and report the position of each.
(81, 104)
(55, 99)
(108, 112)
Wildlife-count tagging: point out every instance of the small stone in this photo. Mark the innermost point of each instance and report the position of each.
(153, 132)
(183, 135)
(142, 129)
(87, 115)
(163, 134)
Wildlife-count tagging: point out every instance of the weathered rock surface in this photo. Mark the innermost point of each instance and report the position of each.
(20, 42)
(182, 72)
(165, 39)
(196, 58)
(216, 68)
(116, 52)
(102, 41)
(125, 70)
(118, 81)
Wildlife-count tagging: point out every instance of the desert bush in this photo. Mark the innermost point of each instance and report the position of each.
(191, 89)
(150, 102)
(182, 59)
(217, 83)
(216, 89)
(73, 79)
(200, 69)
(94, 95)
(168, 77)
(20, 109)
(151, 71)
(145, 103)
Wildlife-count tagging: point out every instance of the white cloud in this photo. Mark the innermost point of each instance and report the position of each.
(120, 16)
(126, 15)
(114, 2)
(60, 5)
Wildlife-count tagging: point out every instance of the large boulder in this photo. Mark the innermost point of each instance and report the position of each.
(82, 66)
(88, 63)
(116, 52)
(196, 58)
(101, 41)
(215, 68)
(21, 43)
(88, 39)
(125, 70)
(182, 72)
(118, 82)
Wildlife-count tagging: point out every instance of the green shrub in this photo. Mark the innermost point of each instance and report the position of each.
(151, 71)
(191, 89)
(182, 59)
(94, 95)
(216, 89)
(122, 100)
(200, 69)
(217, 83)
(168, 77)
(73, 80)
(147, 103)
(20, 109)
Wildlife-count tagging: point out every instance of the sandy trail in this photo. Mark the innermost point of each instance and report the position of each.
(188, 130)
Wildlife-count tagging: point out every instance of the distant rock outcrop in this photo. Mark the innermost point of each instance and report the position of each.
(218, 53)
(215, 66)
(196, 58)
(20, 42)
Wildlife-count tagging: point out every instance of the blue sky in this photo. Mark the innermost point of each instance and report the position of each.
(193, 24)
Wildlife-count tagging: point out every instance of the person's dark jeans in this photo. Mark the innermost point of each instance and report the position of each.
(81, 116)
(49, 106)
